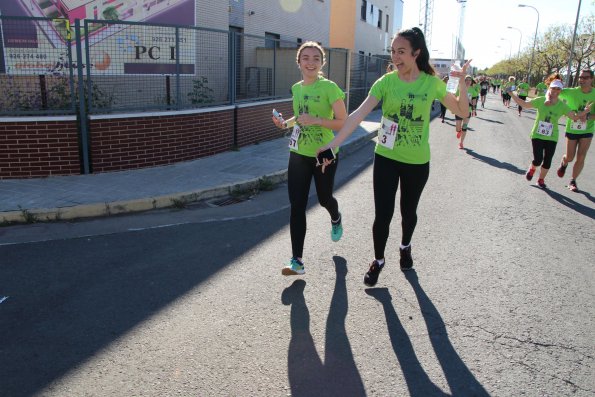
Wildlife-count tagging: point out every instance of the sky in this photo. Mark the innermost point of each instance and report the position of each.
(486, 24)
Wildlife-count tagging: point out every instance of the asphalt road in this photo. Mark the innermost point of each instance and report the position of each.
(192, 302)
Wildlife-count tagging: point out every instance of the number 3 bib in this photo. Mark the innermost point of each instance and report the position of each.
(387, 133)
(544, 128)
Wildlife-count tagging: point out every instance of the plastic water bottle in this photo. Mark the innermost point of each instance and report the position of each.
(453, 82)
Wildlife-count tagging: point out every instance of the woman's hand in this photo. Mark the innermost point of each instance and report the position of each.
(325, 162)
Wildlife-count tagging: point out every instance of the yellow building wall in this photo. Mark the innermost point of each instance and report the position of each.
(342, 24)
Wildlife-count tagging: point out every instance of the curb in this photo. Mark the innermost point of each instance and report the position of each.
(158, 202)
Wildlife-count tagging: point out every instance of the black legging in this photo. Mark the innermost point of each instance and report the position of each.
(442, 111)
(299, 176)
(387, 174)
(543, 153)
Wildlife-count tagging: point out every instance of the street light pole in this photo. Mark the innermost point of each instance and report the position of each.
(572, 45)
(520, 39)
(509, 47)
(534, 39)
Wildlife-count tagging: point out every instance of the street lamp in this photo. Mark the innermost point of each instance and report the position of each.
(572, 46)
(520, 39)
(509, 46)
(534, 39)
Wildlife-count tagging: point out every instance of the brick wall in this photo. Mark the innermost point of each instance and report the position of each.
(41, 147)
(255, 124)
(154, 139)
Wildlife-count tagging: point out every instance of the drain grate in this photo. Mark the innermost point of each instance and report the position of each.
(226, 201)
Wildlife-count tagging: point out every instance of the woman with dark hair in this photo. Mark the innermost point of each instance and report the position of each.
(579, 134)
(402, 154)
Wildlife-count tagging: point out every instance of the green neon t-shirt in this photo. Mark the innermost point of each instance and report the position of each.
(541, 88)
(547, 119)
(409, 105)
(577, 100)
(317, 100)
(523, 89)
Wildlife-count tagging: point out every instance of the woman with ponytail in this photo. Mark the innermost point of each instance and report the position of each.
(402, 154)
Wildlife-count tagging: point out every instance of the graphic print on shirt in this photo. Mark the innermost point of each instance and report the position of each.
(311, 134)
(410, 129)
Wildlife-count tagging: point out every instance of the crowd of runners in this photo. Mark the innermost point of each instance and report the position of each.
(402, 155)
(552, 101)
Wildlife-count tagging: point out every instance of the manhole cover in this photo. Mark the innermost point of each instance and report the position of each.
(226, 201)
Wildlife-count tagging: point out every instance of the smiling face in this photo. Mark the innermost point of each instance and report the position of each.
(310, 62)
(554, 92)
(401, 55)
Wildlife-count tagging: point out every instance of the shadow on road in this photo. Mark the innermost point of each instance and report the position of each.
(489, 120)
(418, 381)
(460, 379)
(495, 162)
(573, 205)
(308, 374)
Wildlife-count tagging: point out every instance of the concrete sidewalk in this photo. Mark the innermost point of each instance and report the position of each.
(82, 196)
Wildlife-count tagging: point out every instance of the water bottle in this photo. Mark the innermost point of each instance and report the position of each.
(453, 82)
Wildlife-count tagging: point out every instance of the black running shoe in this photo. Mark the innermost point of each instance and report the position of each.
(371, 276)
(572, 185)
(406, 260)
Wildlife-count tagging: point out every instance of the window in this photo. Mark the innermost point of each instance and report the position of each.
(271, 40)
(363, 12)
(386, 27)
(299, 42)
(379, 19)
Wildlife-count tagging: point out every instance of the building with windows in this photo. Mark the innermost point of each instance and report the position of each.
(365, 26)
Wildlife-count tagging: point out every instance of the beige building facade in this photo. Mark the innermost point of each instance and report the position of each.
(365, 26)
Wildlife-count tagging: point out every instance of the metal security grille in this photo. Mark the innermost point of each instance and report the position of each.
(135, 66)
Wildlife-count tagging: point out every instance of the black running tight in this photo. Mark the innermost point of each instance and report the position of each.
(543, 153)
(300, 171)
(387, 175)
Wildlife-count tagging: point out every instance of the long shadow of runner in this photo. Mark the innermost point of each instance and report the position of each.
(460, 379)
(495, 163)
(308, 375)
(573, 205)
(418, 381)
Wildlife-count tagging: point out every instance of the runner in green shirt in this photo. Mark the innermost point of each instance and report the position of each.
(544, 134)
(540, 89)
(319, 108)
(578, 134)
(403, 150)
(523, 92)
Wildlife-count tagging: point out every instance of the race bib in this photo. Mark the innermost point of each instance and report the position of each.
(544, 128)
(388, 133)
(295, 136)
(578, 125)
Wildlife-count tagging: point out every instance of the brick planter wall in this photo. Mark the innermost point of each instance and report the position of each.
(38, 147)
(153, 139)
(46, 146)
(255, 124)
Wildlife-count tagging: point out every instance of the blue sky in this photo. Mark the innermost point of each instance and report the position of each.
(486, 23)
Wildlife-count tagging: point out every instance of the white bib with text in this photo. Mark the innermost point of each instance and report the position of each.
(295, 136)
(388, 133)
(544, 128)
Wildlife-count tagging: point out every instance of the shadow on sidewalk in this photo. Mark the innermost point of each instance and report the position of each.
(308, 374)
(495, 162)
